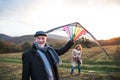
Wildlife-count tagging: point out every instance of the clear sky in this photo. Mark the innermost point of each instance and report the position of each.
(23, 17)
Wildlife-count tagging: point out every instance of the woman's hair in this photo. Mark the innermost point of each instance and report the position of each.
(78, 46)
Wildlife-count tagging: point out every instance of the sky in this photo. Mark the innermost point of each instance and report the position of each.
(24, 17)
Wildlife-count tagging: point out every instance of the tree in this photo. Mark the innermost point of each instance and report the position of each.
(25, 46)
(85, 42)
(3, 47)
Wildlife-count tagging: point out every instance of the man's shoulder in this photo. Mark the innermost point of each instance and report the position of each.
(29, 51)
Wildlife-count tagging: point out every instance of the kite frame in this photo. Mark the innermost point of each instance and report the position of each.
(86, 31)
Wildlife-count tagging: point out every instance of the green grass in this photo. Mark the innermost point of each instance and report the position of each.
(99, 66)
(10, 60)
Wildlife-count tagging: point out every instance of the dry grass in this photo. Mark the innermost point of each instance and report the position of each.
(96, 65)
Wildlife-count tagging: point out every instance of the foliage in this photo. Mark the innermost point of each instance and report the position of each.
(85, 42)
(25, 46)
(113, 41)
(3, 47)
(8, 47)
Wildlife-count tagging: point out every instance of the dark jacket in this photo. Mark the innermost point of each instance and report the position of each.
(33, 65)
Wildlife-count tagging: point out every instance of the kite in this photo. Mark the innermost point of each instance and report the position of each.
(76, 30)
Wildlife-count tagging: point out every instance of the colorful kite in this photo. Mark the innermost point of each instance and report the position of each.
(76, 30)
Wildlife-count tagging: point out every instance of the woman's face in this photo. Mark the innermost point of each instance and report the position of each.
(41, 39)
(78, 48)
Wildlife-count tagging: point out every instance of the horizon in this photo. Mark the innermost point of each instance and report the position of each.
(52, 34)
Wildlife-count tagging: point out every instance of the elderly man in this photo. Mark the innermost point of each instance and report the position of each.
(40, 62)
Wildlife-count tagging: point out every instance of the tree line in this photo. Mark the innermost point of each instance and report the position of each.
(9, 47)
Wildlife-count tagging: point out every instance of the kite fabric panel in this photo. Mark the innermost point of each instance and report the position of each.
(76, 30)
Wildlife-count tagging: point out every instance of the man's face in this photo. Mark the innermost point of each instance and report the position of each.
(41, 39)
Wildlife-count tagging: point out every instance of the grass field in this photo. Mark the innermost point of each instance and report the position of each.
(96, 65)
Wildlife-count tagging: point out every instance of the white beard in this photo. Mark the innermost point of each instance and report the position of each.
(41, 45)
